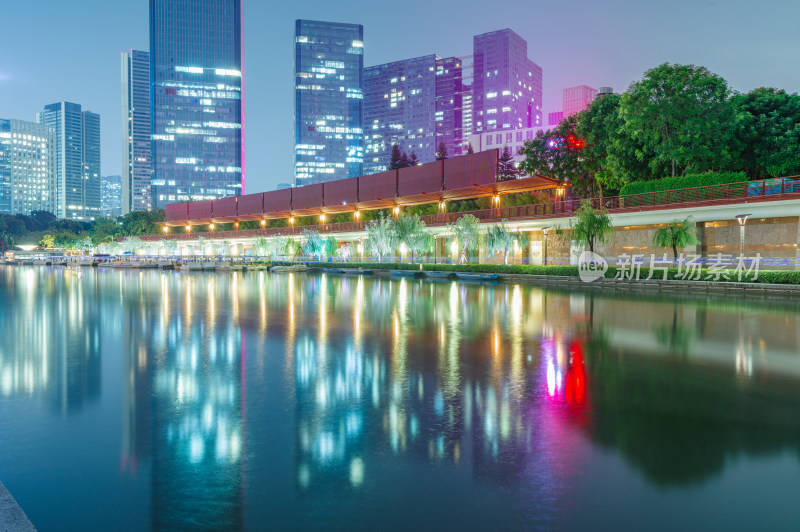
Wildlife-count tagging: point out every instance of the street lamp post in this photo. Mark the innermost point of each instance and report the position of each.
(742, 221)
(545, 229)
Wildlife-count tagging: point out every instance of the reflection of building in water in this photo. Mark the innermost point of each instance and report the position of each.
(409, 368)
(50, 346)
(184, 392)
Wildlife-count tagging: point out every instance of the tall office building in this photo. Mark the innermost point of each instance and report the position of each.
(328, 66)
(26, 167)
(77, 160)
(555, 118)
(576, 99)
(135, 131)
(196, 105)
(111, 196)
(414, 103)
(507, 86)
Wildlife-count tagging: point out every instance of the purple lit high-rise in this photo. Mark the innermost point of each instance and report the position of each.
(507, 86)
(197, 108)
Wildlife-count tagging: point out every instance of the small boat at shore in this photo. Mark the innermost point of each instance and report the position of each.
(477, 276)
(289, 269)
(407, 273)
(440, 275)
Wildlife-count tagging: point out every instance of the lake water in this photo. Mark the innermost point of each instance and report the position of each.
(135, 400)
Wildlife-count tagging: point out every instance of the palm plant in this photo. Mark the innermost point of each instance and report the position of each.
(591, 226)
(314, 245)
(411, 231)
(381, 236)
(500, 240)
(676, 234)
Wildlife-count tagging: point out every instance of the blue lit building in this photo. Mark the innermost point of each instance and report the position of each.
(135, 131)
(414, 103)
(76, 188)
(328, 67)
(507, 86)
(196, 105)
(26, 167)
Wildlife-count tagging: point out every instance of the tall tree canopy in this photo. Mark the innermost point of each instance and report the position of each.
(682, 116)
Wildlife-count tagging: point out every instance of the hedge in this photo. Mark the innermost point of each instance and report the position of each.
(669, 189)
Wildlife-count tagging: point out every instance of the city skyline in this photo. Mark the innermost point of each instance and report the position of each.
(748, 53)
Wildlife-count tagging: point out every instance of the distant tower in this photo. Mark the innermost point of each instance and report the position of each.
(576, 99)
(196, 101)
(27, 167)
(77, 156)
(111, 196)
(135, 131)
(507, 86)
(414, 103)
(328, 69)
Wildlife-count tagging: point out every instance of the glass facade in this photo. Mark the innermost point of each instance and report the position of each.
(414, 103)
(576, 99)
(507, 86)
(111, 196)
(329, 65)
(76, 188)
(197, 109)
(26, 167)
(135, 131)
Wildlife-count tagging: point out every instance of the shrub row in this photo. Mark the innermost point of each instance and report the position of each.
(687, 181)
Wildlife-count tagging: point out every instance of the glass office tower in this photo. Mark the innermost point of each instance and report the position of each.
(414, 103)
(135, 131)
(196, 104)
(26, 167)
(328, 69)
(77, 155)
(507, 86)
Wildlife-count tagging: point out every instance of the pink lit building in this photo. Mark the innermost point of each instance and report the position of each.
(576, 99)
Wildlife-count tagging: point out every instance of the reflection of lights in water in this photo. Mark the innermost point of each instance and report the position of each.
(744, 362)
(304, 475)
(551, 378)
(196, 449)
(516, 304)
(356, 471)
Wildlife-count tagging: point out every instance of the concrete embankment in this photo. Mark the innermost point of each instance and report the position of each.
(12, 518)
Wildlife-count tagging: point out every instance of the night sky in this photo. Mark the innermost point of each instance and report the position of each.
(57, 50)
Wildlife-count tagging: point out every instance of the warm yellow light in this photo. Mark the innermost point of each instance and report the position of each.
(211, 226)
(396, 211)
(322, 218)
(361, 249)
(263, 223)
(403, 248)
(357, 215)
(236, 225)
(454, 247)
(188, 228)
(166, 229)
(291, 220)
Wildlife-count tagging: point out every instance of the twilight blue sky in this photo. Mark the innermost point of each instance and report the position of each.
(69, 50)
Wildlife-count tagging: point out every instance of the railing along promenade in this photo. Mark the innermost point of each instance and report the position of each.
(704, 196)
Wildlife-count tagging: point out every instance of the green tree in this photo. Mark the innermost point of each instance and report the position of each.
(313, 245)
(676, 234)
(381, 236)
(47, 241)
(499, 239)
(395, 159)
(591, 226)
(330, 246)
(404, 161)
(411, 231)
(683, 118)
(557, 153)
(260, 246)
(441, 153)
(506, 168)
(768, 132)
(412, 159)
(467, 233)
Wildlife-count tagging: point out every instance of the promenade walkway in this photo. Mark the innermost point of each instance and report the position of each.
(12, 518)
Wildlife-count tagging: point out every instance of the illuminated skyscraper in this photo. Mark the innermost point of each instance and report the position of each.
(26, 167)
(507, 86)
(197, 111)
(111, 196)
(328, 68)
(135, 131)
(576, 99)
(414, 103)
(77, 155)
